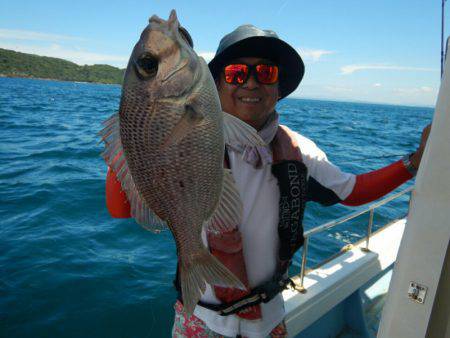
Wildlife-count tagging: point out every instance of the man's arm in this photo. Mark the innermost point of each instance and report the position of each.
(375, 184)
(328, 185)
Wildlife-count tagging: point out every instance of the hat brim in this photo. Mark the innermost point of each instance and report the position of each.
(291, 64)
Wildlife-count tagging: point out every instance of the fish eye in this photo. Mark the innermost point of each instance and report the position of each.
(146, 66)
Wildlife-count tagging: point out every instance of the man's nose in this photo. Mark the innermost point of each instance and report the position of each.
(251, 83)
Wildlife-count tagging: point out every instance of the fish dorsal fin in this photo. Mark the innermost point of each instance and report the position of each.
(115, 158)
(237, 131)
(228, 213)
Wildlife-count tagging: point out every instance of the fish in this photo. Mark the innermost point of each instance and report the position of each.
(166, 145)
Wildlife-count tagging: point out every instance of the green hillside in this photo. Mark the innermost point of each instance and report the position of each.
(17, 64)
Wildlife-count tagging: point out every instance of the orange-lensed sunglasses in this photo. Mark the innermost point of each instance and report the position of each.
(239, 73)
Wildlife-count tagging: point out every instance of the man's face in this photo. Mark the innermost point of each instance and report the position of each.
(252, 102)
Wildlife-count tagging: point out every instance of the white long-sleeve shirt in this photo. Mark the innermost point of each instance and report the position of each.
(259, 192)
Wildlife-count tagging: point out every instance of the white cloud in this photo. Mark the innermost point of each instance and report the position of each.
(78, 56)
(350, 69)
(307, 54)
(208, 56)
(377, 84)
(414, 90)
(16, 34)
(55, 45)
(313, 55)
(426, 89)
(414, 96)
(280, 9)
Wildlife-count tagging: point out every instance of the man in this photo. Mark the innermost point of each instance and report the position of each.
(253, 69)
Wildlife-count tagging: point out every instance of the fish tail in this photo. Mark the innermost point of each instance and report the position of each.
(203, 268)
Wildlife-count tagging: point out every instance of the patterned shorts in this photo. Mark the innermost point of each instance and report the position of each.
(186, 326)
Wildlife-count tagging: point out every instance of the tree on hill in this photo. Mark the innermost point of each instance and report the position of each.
(16, 64)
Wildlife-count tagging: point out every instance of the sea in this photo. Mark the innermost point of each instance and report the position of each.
(67, 269)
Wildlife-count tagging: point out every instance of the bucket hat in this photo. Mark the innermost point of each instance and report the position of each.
(250, 41)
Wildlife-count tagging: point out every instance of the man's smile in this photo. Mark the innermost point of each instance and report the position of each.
(245, 99)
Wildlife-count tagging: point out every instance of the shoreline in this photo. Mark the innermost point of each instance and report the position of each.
(50, 79)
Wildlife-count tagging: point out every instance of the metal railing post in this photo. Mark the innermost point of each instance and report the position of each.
(369, 229)
(303, 268)
(410, 201)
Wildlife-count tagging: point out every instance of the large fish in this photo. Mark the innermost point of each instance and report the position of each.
(166, 146)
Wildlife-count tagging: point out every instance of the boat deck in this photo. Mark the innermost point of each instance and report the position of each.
(355, 279)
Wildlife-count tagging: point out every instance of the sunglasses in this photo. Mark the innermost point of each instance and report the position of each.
(239, 73)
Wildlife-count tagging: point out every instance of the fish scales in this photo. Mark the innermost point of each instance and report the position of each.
(184, 171)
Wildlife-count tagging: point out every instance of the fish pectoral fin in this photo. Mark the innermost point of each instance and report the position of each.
(228, 213)
(237, 131)
(191, 118)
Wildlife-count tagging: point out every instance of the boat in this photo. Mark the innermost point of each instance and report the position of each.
(395, 282)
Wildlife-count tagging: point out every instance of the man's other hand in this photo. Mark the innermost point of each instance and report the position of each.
(417, 156)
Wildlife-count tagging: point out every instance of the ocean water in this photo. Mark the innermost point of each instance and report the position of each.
(67, 269)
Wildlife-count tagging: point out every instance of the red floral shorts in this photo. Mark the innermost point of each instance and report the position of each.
(193, 327)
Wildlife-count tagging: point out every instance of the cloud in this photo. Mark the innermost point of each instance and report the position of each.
(280, 9)
(313, 55)
(350, 69)
(55, 45)
(410, 91)
(307, 54)
(426, 89)
(78, 56)
(208, 56)
(377, 84)
(16, 34)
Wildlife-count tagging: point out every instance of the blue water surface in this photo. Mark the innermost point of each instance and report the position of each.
(67, 269)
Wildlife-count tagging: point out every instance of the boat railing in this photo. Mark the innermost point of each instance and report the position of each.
(370, 209)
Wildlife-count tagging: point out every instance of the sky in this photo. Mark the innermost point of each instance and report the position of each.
(380, 51)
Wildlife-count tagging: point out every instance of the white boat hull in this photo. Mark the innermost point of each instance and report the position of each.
(427, 234)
